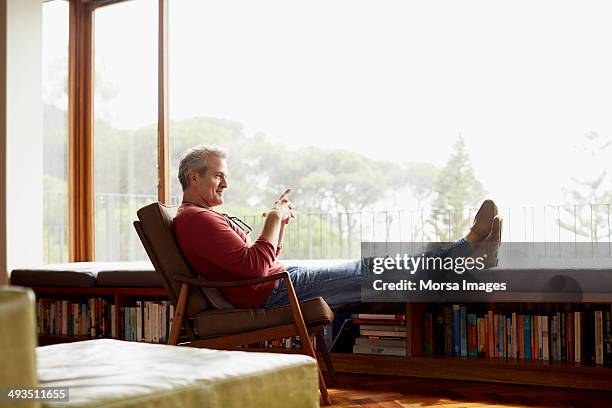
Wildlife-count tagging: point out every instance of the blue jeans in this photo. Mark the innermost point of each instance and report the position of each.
(340, 284)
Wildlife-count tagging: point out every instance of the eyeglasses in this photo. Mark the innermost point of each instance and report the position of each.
(239, 223)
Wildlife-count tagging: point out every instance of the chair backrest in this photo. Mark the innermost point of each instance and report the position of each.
(154, 230)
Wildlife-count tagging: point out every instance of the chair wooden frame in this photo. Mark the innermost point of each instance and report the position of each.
(297, 327)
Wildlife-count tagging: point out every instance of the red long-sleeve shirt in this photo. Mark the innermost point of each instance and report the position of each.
(220, 251)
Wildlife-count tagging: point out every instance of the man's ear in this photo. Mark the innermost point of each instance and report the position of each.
(192, 177)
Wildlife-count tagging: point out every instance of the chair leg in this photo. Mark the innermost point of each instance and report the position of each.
(326, 357)
(298, 320)
(179, 314)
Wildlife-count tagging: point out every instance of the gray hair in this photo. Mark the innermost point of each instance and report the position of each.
(196, 159)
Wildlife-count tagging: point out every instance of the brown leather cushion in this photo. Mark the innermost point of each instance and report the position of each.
(224, 322)
(77, 274)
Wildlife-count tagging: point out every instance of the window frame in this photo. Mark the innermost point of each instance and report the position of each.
(80, 123)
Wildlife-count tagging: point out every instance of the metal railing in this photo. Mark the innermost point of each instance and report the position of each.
(316, 235)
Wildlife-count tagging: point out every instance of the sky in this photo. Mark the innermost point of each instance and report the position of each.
(521, 81)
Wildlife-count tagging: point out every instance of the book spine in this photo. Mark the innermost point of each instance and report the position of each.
(578, 332)
(536, 337)
(598, 337)
(545, 339)
(569, 334)
(607, 339)
(139, 320)
(389, 351)
(558, 343)
(527, 328)
(171, 322)
(463, 328)
(448, 331)
(500, 336)
(456, 332)
(531, 334)
(400, 317)
(490, 334)
(508, 337)
(472, 336)
(480, 325)
(165, 323)
(553, 338)
(515, 346)
(563, 338)
(521, 335)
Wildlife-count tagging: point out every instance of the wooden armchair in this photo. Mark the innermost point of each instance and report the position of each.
(208, 318)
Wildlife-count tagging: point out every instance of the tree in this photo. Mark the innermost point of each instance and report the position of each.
(457, 189)
(588, 198)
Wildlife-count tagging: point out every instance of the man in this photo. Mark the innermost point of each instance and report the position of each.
(220, 248)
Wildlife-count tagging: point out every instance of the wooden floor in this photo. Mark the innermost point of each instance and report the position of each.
(354, 390)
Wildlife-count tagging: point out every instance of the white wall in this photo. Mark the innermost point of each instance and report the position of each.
(21, 150)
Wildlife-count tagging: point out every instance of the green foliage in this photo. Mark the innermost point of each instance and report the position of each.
(325, 181)
(457, 189)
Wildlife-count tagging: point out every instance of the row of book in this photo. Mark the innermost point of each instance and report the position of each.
(571, 336)
(293, 342)
(148, 321)
(383, 334)
(64, 317)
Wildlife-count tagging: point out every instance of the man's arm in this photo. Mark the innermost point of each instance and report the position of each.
(272, 228)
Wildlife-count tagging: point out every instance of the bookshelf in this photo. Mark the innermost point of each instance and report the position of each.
(500, 369)
(415, 364)
(117, 297)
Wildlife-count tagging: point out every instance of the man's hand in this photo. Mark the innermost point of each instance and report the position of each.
(283, 207)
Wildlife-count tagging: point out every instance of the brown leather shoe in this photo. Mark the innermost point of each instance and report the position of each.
(484, 219)
(489, 246)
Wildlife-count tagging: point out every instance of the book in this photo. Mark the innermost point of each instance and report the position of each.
(480, 327)
(387, 351)
(381, 333)
(385, 322)
(381, 342)
(138, 320)
(569, 336)
(383, 327)
(472, 341)
(578, 333)
(598, 337)
(448, 331)
(545, 340)
(607, 338)
(588, 341)
(490, 334)
(515, 348)
(463, 330)
(400, 317)
(536, 338)
(563, 339)
(456, 332)
(527, 327)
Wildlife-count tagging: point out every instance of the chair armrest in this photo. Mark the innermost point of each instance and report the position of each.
(231, 284)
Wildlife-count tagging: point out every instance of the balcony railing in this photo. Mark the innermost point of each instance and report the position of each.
(314, 235)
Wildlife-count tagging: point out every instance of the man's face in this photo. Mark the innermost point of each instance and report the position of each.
(211, 185)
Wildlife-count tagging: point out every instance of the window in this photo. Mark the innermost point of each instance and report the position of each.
(55, 130)
(125, 124)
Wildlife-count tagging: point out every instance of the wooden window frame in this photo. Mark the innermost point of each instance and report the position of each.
(80, 123)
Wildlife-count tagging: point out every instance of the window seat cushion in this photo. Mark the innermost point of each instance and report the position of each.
(88, 274)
